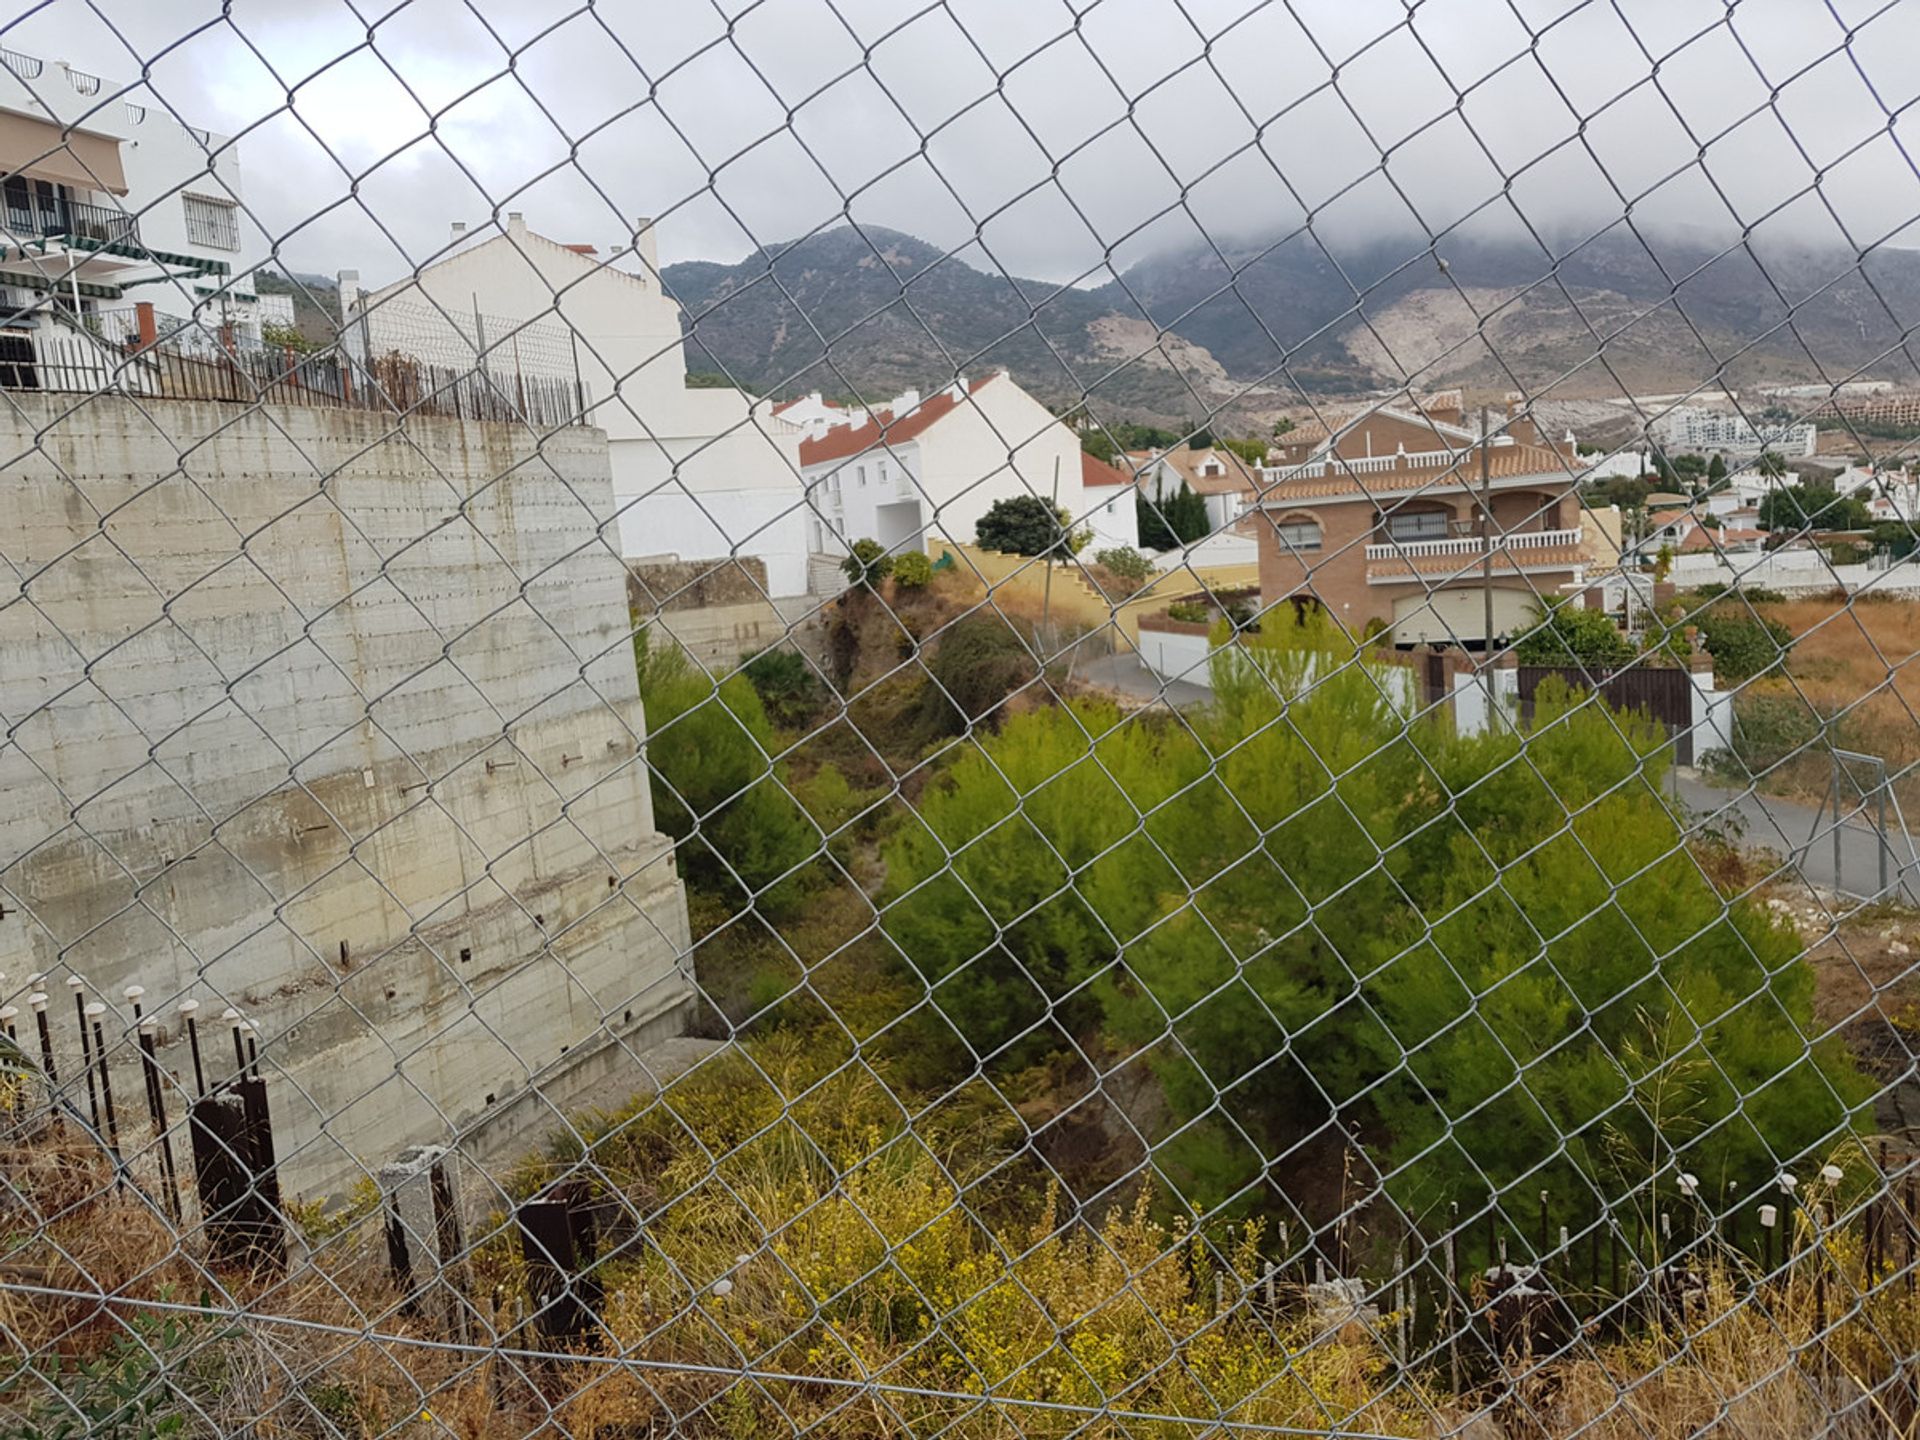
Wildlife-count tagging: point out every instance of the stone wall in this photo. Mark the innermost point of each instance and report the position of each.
(340, 728)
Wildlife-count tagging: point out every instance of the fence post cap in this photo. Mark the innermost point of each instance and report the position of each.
(76, 984)
(134, 992)
(187, 1007)
(95, 1009)
(7, 1012)
(231, 1016)
(37, 1001)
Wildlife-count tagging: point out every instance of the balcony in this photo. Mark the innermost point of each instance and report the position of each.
(48, 217)
(1513, 551)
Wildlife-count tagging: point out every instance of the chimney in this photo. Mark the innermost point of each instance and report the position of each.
(1520, 426)
(903, 402)
(516, 225)
(646, 245)
(349, 283)
(458, 230)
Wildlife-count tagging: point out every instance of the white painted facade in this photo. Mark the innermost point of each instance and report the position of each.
(996, 443)
(698, 474)
(193, 249)
(1693, 427)
(1113, 517)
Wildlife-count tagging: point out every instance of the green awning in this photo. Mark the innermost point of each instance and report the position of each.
(60, 283)
(192, 264)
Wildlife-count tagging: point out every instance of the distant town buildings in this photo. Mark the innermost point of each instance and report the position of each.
(1696, 428)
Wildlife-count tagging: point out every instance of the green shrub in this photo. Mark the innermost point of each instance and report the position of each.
(715, 789)
(1742, 645)
(1568, 634)
(787, 686)
(913, 570)
(1189, 612)
(867, 563)
(977, 664)
(1126, 562)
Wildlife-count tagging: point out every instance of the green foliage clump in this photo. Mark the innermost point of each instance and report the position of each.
(716, 789)
(913, 570)
(1569, 634)
(789, 690)
(867, 563)
(1811, 506)
(147, 1383)
(1493, 970)
(1022, 525)
(1189, 612)
(1254, 452)
(1126, 562)
(1166, 522)
(1742, 644)
(977, 664)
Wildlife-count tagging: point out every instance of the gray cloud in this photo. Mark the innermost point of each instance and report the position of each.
(1055, 138)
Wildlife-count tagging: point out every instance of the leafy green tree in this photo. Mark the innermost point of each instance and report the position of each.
(1494, 968)
(1716, 469)
(1022, 525)
(1281, 427)
(1809, 505)
(1253, 451)
(1126, 562)
(1099, 444)
(1566, 633)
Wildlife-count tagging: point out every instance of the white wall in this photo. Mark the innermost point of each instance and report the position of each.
(997, 444)
(1114, 518)
(676, 451)
(233, 786)
(1173, 656)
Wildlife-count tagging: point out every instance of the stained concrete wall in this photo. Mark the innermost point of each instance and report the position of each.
(339, 728)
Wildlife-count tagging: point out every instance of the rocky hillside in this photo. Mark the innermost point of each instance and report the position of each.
(865, 312)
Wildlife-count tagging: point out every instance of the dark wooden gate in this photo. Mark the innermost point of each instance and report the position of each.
(233, 1164)
(1664, 693)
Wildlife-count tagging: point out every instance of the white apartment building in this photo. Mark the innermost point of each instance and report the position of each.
(107, 200)
(1692, 427)
(698, 474)
(933, 470)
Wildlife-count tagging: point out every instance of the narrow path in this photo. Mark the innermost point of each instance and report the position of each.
(1806, 838)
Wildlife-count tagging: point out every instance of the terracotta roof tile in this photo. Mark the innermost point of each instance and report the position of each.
(844, 441)
(1097, 474)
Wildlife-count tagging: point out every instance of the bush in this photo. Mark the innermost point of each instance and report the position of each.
(913, 570)
(1742, 645)
(977, 665)
(1189, 612)
(714, 788)
(1022, 525)
(867, 564)
(1568, 634)
(787, 686)
(1126, 562)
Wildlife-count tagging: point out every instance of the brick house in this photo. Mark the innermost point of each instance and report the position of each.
(1381, 521)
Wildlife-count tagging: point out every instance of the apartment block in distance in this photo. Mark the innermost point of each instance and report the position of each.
(1380, 521)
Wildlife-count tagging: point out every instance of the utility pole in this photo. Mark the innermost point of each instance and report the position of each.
(1046, 593)
(1486, 538)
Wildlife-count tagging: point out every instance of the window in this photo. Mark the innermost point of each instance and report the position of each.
(883, 472)
(861, 472)
(1299, 535)
(211, 223)
(1418, 525)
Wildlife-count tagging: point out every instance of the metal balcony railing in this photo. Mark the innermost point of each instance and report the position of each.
(49, 217)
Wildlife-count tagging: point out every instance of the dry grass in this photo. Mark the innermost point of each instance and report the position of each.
(1854, 670)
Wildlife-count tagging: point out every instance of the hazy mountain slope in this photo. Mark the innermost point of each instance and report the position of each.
(830, 313)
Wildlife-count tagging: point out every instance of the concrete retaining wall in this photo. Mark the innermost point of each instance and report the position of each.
(340, 729)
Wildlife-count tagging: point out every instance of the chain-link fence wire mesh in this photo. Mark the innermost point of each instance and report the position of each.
(549, 890)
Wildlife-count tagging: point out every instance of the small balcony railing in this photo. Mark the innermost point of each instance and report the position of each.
(48, 217)
(1503, 543)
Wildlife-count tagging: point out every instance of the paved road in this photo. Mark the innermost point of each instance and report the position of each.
(1125, 673)
(1804, 837)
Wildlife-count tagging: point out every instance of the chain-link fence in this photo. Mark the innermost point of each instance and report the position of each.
(1298, 829)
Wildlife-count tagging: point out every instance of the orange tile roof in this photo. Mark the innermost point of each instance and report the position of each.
(843, 441)
(1097, 474)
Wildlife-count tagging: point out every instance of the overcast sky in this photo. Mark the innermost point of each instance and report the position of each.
(1055, 133)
